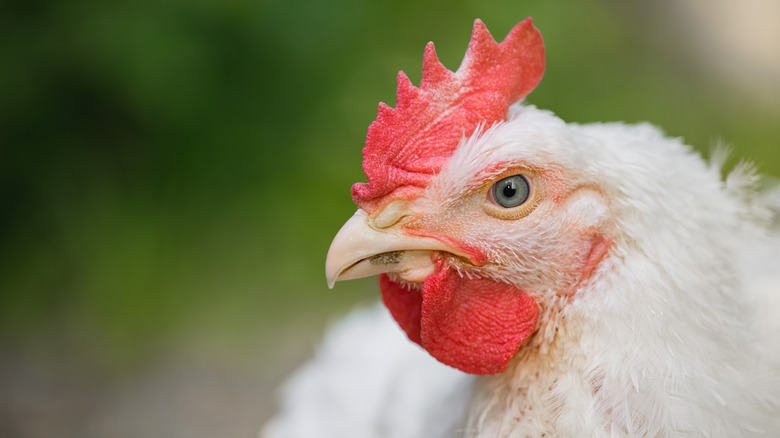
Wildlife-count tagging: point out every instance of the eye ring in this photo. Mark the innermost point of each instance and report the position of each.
(524, 194)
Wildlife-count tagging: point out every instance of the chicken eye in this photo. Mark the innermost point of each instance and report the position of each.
(511, 191)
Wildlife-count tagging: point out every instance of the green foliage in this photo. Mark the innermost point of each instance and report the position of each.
(183, 165)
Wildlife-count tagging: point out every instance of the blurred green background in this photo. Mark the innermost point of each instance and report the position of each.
(172, 172)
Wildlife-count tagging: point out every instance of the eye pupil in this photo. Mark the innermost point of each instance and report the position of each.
(511, 191)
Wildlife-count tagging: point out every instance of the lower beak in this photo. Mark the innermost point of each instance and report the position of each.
(361, 250)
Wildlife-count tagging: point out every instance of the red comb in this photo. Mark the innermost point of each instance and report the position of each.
(410, 143)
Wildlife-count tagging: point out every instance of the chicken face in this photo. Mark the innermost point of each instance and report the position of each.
(477, 240)
(499, 236)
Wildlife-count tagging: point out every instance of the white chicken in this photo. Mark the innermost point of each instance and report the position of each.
(593, 280)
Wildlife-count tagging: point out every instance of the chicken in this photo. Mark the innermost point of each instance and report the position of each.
(574, 280)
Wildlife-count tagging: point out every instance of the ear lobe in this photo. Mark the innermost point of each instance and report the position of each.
(599, 248)
(588, 209)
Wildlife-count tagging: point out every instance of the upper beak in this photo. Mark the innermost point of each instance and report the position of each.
(361, 249)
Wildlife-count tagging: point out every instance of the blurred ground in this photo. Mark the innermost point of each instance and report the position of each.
(179, 395)
(190, 388)
(172, 172)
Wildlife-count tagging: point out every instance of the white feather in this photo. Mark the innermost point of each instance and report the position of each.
(369, 381)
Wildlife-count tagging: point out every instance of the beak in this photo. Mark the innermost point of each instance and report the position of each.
(362, 249)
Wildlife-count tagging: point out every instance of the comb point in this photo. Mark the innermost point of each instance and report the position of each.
(433, 71)
(406, 92)
(482, 47)
(383, 110)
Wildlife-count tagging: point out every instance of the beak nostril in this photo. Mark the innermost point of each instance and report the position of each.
(387, 222)
(394, 213)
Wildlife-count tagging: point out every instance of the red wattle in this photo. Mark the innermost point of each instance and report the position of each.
(474, 325)
(404, 304)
